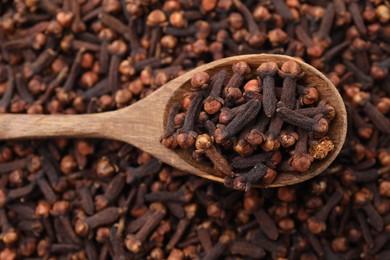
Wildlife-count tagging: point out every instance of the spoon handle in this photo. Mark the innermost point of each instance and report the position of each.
(21, 126)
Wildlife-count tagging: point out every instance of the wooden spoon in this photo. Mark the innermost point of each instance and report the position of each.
(142, 123)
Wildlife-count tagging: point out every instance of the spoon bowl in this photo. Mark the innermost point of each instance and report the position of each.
(142, 123)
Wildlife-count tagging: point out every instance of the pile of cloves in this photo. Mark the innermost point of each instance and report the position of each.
(250, 129)
(101, 199)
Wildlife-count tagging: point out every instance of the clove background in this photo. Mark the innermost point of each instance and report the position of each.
(101, 199)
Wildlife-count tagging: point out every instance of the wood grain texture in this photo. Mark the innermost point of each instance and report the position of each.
(142, 123)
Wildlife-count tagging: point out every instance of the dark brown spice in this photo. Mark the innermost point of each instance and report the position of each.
(46, 188)
(247, 249)
(374, 219)
(276, 249)
(85, 198)
(323, 108)
(271, 143)
(115, 24)
(239, 122)
(245, 181)
(266, 73)
(317, 224)
(181, 195)
(6, 98)
(63, 248)
(112, 192)
(78, 25)
(42, 61)
(379, 242)
(377, 118)
(9, 235)
(232, 91)
(213, 102)
(256, 135)
(282, 9)
(181, 226)
(204, 236)
(366, 80)
(106, 216)
(241, 146)
(28, 29)
(176, 209)
(314, 50)
(308, 95)
(323, 33)
(186, 135)
(255, 37)
(71, 79)
(168, 138)
(365, 229)
(135, 225)
(270, 159)
(301, 160)
(134, 174)
(104, 57)
(290, 72)
(353, 7)
(117, 49)
(116, 241)
(227, 114)
(90, 249)
(319, 125)
(68, 230)
(133, 242)
(218, 249)
(266, 223)
(51, 168)
(22, 89)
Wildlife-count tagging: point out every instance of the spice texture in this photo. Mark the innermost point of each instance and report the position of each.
(250, 128)
(101, 199)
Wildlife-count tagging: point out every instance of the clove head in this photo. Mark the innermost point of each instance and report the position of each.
(10, 236)
(291, 69)
(220, 135)
(315, 225)
(170, 141)
(288, 138)
(81, 228)
(360, 98)
(186, 140)
(253, 86)
(269, 177)
(301, 162)
(377, 72)
(156, 17)
(321, 127)
(267, 69)
(255, 137)
(212, 105)
(241, 68)
(243, 148)
(309, 97)
(256, 39)
(118, 47)
(331, 111)
(132, 243)
(200, 80)
(203, 142)
(270, 144)
(240, 183)
(234, 93)
(225, 116)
